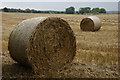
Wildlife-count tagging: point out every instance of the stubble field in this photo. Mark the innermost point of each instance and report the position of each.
(96, 55)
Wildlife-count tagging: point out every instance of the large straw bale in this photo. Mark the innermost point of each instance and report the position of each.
(91, 23)
(43, 43)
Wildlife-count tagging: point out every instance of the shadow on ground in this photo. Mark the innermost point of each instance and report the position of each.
(15, 70)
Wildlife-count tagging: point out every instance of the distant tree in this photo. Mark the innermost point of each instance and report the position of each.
(13, 10)
(35, 11)
(77, 12)
(82, 10)
(27, 10)
(59, 12)
(62, 12)
(95, 10)
(102, 10)
(70, 10)
(85, 10)
(5, 9)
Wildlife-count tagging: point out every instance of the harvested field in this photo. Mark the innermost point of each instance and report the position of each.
(96, 55)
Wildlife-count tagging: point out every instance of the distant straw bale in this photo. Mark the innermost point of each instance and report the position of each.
(43, 43)
(91, 23)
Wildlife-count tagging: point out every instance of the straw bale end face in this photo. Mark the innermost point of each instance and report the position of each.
(43, 43)
(91, 23)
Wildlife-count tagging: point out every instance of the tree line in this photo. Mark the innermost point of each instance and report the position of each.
(70, 10)
(28, 10)
(85, 10)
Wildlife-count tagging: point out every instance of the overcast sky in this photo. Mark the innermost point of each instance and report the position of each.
(59, 0)
(109, 6)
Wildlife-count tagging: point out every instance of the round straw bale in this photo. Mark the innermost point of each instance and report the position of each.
(43, 43)
(91, 23)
